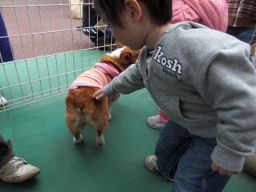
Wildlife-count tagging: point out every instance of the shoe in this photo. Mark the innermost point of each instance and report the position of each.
(155, 123)
(150, 162)
(93, 33)
(79, 28)
(17, 170)
(105, 41)
(3, 101)
(101, 36)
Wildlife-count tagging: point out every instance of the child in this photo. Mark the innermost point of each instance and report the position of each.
(200, 77)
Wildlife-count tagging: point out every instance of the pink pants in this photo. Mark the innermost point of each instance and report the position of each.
(162, 116)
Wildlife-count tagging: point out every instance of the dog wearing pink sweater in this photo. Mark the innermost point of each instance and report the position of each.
(81, 108)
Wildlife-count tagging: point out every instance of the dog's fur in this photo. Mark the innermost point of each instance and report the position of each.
(82, 109)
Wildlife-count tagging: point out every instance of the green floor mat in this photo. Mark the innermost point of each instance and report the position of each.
(39, 134)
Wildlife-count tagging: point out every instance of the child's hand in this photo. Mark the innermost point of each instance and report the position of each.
(222, 171)
(98, 94)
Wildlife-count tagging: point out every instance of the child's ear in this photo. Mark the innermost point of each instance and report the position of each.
(134, 9)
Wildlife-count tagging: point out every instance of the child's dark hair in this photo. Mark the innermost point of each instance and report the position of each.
(160, 10)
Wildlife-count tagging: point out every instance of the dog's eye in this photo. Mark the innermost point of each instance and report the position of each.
(127, 57)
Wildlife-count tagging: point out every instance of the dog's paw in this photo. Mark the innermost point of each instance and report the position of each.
(78, 140)
(100, 141)
(109, 116)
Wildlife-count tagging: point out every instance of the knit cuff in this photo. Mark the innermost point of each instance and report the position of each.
(227, 160)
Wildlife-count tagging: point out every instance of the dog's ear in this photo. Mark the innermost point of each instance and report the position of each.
(108, 59)
(126, 58)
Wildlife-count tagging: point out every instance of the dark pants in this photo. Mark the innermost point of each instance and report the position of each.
(6, 152)
(242, 33)
(89, 16)
(5, 48)
(190, 156)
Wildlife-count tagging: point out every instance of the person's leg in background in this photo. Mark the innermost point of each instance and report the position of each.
(92, 26)
(242, 33)
(5, 47)
(89, 14)
(90, 19)
(5, 51)
(158, 121)
(12, 168)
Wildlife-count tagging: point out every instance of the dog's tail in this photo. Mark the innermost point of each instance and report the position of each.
(80, 107)
(74, 104)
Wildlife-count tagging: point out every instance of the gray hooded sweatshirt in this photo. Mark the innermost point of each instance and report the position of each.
(204, 81)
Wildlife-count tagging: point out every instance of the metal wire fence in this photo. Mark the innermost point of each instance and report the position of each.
(49, 50)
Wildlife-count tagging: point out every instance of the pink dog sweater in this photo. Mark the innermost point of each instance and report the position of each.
(99, 76)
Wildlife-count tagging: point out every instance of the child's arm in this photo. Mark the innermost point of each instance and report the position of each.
(228, 84)
(128, 81)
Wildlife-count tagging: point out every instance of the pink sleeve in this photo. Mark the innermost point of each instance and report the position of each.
(212, 13)
(181, 12)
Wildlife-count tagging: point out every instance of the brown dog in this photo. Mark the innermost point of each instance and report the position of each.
(81, 108)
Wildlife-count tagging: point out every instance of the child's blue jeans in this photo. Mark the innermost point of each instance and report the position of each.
(176, 147)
